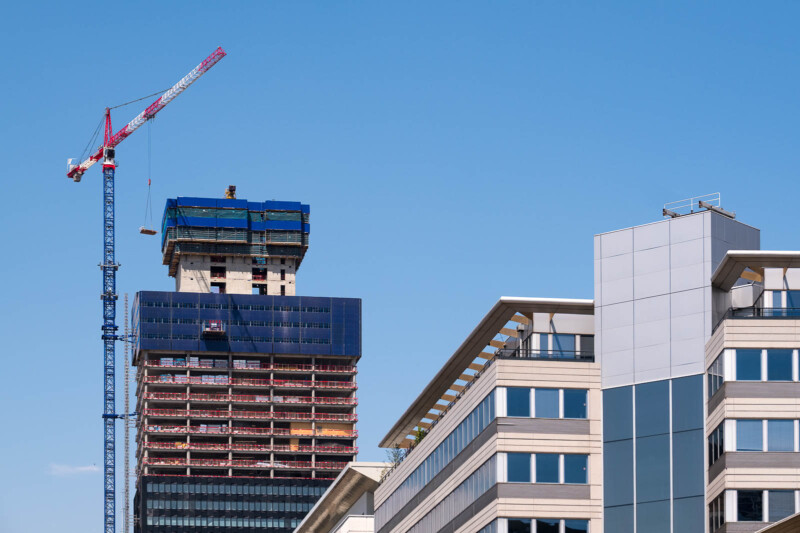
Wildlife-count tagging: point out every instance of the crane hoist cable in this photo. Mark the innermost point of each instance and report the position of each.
(148, 208)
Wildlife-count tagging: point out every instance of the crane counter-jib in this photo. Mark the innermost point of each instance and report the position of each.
(76, 172)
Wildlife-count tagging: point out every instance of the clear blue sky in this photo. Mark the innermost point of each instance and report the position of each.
(452, 152)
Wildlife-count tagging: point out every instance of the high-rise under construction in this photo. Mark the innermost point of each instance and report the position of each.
(246, 392)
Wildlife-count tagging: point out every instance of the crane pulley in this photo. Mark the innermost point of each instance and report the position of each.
(109, 269)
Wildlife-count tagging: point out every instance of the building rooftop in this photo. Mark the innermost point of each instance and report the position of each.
(472, 356)
(750, 265)
(352, 482)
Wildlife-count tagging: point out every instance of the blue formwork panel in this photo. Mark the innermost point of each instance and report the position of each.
(306, 228)
(199, 222)
(232, 204)
(258, 225)
(255, 206)
(183, 345)
(275, 205)
(315, 349)
(189, 201)
(231, 223)
(305, 208)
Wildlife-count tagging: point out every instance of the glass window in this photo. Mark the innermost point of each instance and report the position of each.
(653, 517)
(751, 505)
(687, 464)
(652, 469)
(576, 526)
(587, 344)
(781, 504)
(516, 525)
(617, 414)
(574, 403)
(779, 365)
(748, 365)
(546, 403)
(546, 468)
(687, 403)
(547, 526)
(544, 344)
(519, 467)
(749, 436)
(563, 345)
(618, 518)
(575, 468)
(652, 408)
(618, 474)
(780, 436)
(518, 401)
(793, 300)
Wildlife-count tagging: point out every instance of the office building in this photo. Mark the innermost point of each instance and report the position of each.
(512, 431)
(688, 356)
(246, 392)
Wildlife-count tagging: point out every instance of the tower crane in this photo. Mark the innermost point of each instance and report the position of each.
(109, 268)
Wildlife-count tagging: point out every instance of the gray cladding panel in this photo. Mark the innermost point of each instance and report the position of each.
(547, 426)
(660, 275)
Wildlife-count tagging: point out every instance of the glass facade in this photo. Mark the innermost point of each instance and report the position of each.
(781, 504)
(475, 422)
(549, 403)
(779, 365)
(539, 525)
(716, 444)
(546, 402)
(547, 468)
(518, 402)
(749, 436)
(748, 365)
(780, 435)
(576, 468)
(575, 403)
(519, 468)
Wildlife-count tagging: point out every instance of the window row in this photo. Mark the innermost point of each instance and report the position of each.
(214, 521)
(564, 344)
(546, 468)
(766, 436)
(716, 444)
(752, 364)
(254, 489)
(453, 444)
(459, 499)
(239, 307)
(537, 525)
(752, 506)
(227, 505)
(253, 323)
(279, 340)
(546, 403)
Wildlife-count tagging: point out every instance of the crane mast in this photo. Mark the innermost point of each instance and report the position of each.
(109, 268)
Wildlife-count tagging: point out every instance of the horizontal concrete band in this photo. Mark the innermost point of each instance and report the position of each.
(766, 460)
(509, 425)
(754, 389)
(517, 491)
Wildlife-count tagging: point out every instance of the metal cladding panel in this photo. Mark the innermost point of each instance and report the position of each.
(252, 347)
(190, 201)
(181, 345)
(289, 225)
(282, 206)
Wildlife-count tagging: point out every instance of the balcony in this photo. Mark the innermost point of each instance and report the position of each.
(759, 312)
(545, 355)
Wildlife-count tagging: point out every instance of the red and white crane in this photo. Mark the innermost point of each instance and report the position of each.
(109, 267)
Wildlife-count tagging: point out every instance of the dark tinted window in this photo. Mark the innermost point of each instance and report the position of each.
(516, 525)
(575, 468)
(546, 468)
(652, 468)
(749, 436)
(617, 413)
(748, 365)
(781, 504)
(687, 403)
(547, 526)
(587, 344)
(546, 403)
(652, 408)
(792, 299)
(618, 473)
(564, 345)
(653, 517)
(518, 402)
(779, 365)
(780, 436)
(576, 526)
(618, 518)
(519, 467)
(687, 464)
(688, 514)
(751, 505)
(574, 403)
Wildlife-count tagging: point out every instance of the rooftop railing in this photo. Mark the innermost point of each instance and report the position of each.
(759, 312)
(545, 355)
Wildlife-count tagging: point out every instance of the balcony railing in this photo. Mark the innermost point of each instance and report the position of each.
(248, 365)
(267, 432)
(222, 380)
(210, 446)
(243, 463)
(546, 355)
(247, 398)
(759, 312)
(259, 415)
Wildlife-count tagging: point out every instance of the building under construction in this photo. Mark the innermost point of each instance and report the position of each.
(246, 393)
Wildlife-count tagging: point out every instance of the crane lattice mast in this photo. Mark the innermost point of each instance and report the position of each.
(109, 268)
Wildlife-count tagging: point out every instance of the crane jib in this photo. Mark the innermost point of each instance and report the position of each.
(151, 110)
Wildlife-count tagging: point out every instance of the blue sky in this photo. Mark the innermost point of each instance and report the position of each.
(452, 153)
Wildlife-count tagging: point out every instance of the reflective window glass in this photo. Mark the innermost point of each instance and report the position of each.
(748, 365)
(546, 468)
(547, 526)
(779, 365)
(518, 401)
(575, 467)
(652, 468)
(781, 504)
(652, 408)
(519, 467)
(618, 474)
(793, 299)
(574, 403)
(546, 403)
(780, 435)
(587, 344)
(576, 526)
(653, 517)
(751, 505)
(617, 414)
(516, 525)
(749, 436)
(563, 345)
